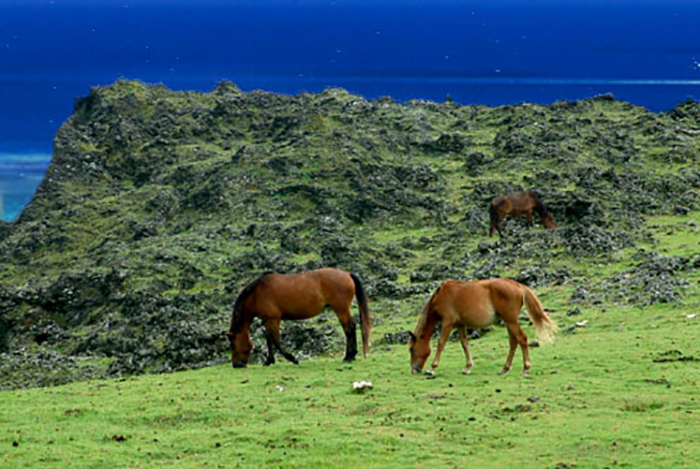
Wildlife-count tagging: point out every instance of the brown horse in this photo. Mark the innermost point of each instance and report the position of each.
(475, 305)
(274, 297)
(516, 205)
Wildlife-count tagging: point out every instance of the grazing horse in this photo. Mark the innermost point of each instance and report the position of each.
(516, 205)
(475, 305)
(274, 297)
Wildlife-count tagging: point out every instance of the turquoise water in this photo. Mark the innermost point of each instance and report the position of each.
(20, 175)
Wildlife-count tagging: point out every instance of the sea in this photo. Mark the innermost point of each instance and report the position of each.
(491, 52)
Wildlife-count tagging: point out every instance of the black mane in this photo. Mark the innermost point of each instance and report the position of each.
(245, 293)
(539, 205)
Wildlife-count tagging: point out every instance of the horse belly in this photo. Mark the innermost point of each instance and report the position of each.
(478, 319)
(308, 307)
(475, 310)
(517, 212)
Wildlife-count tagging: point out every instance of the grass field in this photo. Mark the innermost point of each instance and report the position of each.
(617, 391)
(601, 396)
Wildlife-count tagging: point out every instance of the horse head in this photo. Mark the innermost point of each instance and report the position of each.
(420, 351)
(548, 222)
(241, 346)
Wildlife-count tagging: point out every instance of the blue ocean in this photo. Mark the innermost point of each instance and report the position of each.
(489, 52)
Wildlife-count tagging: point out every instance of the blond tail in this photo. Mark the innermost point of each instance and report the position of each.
(544, 326)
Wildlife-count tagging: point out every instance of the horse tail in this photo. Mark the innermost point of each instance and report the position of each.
(544, 326)
(365, 314)
(493, 212)
(494, 217)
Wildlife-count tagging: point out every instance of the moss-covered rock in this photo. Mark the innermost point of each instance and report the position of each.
(158, 206)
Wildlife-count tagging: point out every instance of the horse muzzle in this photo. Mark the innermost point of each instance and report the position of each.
(415, 369)
(239, 364)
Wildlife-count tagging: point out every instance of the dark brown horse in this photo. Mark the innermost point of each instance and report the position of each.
(475, 305)
(274, 297)
(516, 205)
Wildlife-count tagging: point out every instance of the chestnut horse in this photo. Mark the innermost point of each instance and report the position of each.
(475, 305)
(274, 297)
(516, 205)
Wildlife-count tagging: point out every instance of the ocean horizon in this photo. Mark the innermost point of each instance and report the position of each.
(476, 52)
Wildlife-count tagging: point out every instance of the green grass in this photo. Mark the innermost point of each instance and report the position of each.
(620, 391)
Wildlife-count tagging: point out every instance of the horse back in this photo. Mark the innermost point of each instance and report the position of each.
(506, 295)
(521, 203)
(479, 303)
(303, 295)
(501, 204)
(466, 303)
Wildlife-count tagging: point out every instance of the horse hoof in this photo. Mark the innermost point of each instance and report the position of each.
(503, 372)
(466, 371)
(524, 373)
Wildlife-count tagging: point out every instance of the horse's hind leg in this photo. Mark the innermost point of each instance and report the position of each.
(517, 333)
(272, 333)
(463, 337)
(511, 353)
(349, 328)
(496, 224)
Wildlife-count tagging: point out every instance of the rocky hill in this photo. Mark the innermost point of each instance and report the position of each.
(159, 206)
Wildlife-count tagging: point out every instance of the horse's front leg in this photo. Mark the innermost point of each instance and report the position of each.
(270, 349)
(446, 330)
(272, 328)
(463, 337)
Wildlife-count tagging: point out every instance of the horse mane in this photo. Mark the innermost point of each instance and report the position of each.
(539, 205)
(423, 317)
(237, 313)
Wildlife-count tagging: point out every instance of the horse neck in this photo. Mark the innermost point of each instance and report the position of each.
(426, 325)
(240, 323)
(540, 208)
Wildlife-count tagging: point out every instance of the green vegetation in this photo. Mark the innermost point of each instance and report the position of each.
(619, 391)
(159, 206)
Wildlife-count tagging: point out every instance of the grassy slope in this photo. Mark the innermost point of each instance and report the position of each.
(602, 401)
